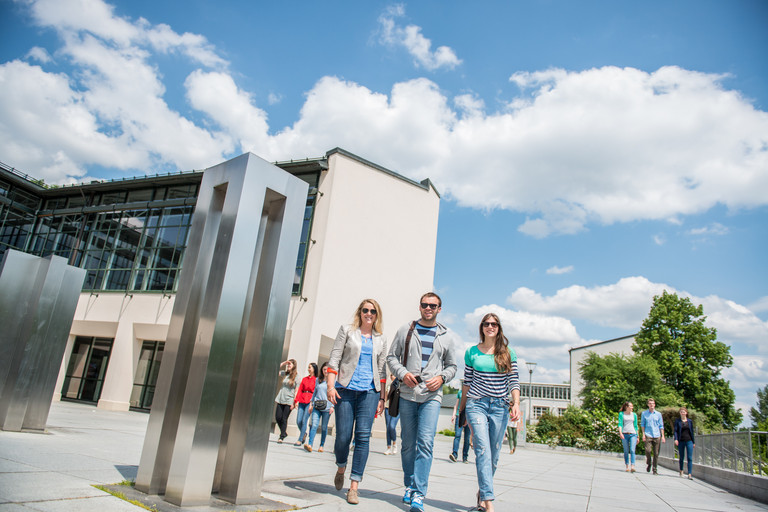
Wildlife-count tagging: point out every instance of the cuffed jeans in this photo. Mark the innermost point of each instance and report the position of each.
(683, 448)
(629, 442)
(354, 409)
(457, 439)
(652, 445)
(487, 418)
(391, 427)
(317, 418)
(417, 431)
(302, 418)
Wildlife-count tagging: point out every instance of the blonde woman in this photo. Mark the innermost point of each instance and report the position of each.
(356, 388)
(490, 378)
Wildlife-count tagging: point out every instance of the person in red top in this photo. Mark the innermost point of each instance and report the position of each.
(303, 397)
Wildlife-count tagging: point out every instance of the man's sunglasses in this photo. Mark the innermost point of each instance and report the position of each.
(371, 311)
(424, 305)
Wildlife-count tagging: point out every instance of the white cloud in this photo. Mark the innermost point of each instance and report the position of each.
(659, 240)
(413, 40)
(715, 229)
(560, 270)
(760, 305)
(39, 54)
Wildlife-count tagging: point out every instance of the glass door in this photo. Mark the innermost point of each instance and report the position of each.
(147, 370)
(87, 368)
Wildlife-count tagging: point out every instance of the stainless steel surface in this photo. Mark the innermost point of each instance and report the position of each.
(38, 297)
(210, 418)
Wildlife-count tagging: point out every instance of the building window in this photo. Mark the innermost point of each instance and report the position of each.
(539, 411)
(147, 369)
(86, 369)
(560, 411)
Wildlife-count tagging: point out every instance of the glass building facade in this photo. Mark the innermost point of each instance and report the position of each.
(130, 235)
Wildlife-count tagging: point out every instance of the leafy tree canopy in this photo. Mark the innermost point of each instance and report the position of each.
(611, 380)
(759, 416)
(689, 357)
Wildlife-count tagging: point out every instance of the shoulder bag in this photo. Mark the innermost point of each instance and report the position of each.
(393, 397)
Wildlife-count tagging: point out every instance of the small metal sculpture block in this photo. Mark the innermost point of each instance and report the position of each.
(38, 298)
(209, 425)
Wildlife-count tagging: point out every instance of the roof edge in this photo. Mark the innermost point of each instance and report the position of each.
(426, 183)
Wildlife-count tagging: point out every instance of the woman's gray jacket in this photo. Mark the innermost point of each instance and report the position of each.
(346, 353)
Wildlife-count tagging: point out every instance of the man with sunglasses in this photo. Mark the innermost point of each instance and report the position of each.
(430, 363)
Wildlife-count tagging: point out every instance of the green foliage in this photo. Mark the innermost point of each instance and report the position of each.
(577, 428)
(689, 357)
(448, 432)
(759, 416)
(670, 414)
(611, 380)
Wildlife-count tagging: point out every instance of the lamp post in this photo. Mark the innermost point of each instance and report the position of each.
(530, 366)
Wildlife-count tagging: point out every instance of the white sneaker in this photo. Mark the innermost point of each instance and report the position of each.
(389, 451)
(394, 449)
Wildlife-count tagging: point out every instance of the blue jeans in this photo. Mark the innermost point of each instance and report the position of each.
(354, 409)
(457, 439)
(302, 418)
(487, 418)
(683, 448)
(417, 431)
(391, 427)
(629, 442)
(317, 417)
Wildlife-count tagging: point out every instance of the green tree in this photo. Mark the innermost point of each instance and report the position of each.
(611, 380)
(759, 416)
(689, 357)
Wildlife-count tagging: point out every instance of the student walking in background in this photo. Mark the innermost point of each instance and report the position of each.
(684, 440)
(391, 425)
(356, 387)
(490, 379)
(320, 409)
(653, 435)
(628, 434)
(512, 427)
(302, 401)
(285, 397)
(458, 430)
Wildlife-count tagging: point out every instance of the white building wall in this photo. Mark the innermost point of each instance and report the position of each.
(376, 238)
(603, 348)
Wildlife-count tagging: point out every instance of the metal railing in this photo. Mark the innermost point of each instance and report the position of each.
(743, 452)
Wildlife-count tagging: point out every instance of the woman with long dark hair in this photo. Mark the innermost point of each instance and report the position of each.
(302, 400)
(320, 409)
(356, 378)
(285, 397)
(684, 440)
(628, 434)
(490, 379)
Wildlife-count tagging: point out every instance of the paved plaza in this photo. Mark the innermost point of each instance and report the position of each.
(84, 446)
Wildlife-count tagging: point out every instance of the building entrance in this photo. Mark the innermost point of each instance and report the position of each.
(146, 374)
(87, 368)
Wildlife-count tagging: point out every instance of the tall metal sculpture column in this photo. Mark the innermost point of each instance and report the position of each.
(38, 298)
(211, 414)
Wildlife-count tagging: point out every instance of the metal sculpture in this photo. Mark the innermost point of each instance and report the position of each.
(38, 298)
(209, 425)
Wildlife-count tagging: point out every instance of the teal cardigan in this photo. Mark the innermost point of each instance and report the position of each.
(621, 421)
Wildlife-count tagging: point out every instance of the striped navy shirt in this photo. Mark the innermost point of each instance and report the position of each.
(427, 338)
(484, 379)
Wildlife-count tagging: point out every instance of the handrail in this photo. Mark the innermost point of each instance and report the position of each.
(744, 452)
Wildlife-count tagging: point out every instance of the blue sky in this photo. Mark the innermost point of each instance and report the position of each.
(590, 154)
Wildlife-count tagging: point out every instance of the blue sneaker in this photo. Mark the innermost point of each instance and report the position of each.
(417, 502)
(407, 495)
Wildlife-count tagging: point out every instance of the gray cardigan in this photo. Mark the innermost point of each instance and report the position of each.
(441, 362)
(346, 353)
